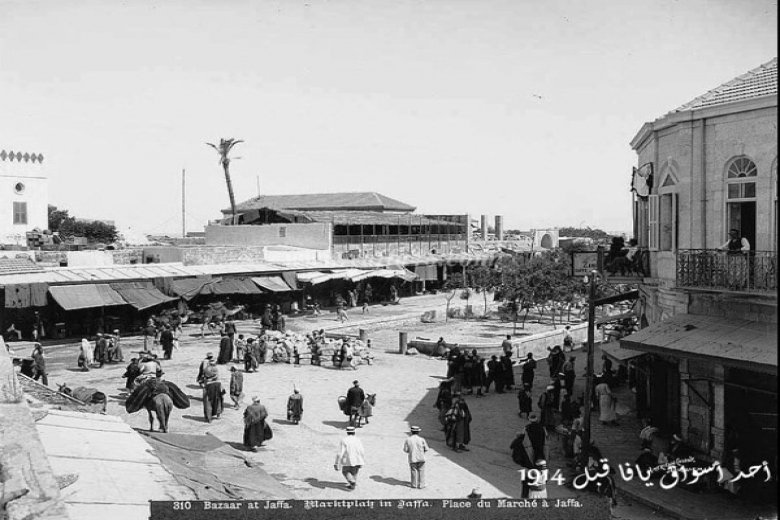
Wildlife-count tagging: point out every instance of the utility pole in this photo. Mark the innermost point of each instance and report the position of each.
(183, 207)
(258, 185)
(585, 451)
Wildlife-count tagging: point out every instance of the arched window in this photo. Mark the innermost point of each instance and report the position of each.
(742, 167)
(739, 170)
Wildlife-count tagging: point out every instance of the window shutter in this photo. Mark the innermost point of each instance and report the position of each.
(654, 229)
(675, 221)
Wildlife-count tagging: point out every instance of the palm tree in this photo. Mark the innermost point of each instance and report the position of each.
(225, 145)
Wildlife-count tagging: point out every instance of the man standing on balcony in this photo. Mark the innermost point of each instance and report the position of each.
(736, 260)
(735, 244)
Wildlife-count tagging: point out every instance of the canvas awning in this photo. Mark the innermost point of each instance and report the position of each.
(141, 295)
(309, 276)
(272, 283)
(213, 470)
(72, 297)
(191, 287)
(736, 342)
(402, 273)
(426, 272)
(322, 277)
(618, 353)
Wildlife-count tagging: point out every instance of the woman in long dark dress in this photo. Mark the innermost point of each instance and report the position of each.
(458, 425)
(254, 424)
(213, 396)
(295, 406)
(546, 408)
(444, 399)
(225, 350)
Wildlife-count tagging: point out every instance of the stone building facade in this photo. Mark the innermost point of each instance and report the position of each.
(709, 317)
(25, 195)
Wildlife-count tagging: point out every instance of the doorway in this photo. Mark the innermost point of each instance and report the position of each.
(742, 217)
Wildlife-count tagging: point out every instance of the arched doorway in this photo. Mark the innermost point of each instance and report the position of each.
(741, 198)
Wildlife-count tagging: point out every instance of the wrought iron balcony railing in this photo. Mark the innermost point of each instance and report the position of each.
(753, 271)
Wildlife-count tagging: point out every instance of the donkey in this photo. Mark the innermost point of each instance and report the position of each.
(366, 409)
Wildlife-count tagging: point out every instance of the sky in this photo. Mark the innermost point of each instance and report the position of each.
(517, 108)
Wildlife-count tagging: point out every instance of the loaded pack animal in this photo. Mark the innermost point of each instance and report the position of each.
(173, 317)
(213, 314)
(158, 396)
(92, 397)
(365, 411)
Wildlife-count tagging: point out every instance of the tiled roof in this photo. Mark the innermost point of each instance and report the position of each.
(365, 201)
(18, 265)
(759, 82)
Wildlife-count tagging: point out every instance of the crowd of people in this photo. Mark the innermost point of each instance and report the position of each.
(468, 373)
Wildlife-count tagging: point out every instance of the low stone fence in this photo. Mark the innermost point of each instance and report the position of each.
(537, 344)
(28, 488)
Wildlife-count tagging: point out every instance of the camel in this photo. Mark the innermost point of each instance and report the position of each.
(219, 312)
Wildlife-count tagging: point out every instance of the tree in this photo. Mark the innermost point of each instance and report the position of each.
(483, 279)
(453, 283)
(465, 294)
(225, 145)
(57, 217)
(94, 231)
(595, 234)
(540, 280)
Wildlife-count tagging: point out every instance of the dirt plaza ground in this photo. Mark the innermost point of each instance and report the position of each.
(301, 456)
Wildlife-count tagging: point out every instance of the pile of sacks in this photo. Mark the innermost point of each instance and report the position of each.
(289, 347)
(282, 347)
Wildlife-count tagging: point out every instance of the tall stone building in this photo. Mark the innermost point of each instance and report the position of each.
(709, 315)
(25, 195)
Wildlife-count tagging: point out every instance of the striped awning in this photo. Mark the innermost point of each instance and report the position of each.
(402, 273)
(88, 296)
(141, 295)
(272, 283)
(192, 287)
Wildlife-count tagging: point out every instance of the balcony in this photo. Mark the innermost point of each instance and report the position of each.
(622, 270)
(755, 271)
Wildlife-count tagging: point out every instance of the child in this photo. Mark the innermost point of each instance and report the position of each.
(240, 346)
(236, 386)
(524, 401)
(365, 411)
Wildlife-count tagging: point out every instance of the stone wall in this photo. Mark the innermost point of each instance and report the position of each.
(702, 407)
(223, 255)
(761, 309)
(28, 488)
(536, 344)
(311, 236)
